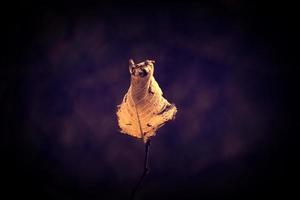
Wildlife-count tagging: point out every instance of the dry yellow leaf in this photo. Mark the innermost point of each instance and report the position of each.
(143, 109)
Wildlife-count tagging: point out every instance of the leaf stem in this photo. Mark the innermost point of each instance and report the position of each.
(145, 170)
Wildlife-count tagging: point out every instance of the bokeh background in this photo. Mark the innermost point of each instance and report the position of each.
(66, 70)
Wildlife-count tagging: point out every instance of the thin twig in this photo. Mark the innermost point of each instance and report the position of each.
(145, 171)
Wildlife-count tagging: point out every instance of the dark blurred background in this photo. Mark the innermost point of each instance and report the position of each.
(64, 69)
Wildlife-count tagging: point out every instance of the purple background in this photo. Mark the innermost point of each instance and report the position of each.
(71, 71)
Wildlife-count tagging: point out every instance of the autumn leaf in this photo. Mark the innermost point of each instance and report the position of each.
(143, 109)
